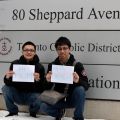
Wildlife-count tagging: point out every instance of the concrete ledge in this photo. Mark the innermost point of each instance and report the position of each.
(25, 116)
(24, 108)
(94, 109)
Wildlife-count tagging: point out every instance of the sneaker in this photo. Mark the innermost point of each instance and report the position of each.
(11, 114)
(62, 114)
(78, 119)
(33, 115)
(58, 118)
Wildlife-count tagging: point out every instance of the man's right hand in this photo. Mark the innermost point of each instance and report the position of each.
(9, 74)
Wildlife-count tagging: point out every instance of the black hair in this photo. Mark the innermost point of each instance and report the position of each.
(29, 43)
(62, 41)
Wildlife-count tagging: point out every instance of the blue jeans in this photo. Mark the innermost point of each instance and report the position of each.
(76, 100)
(12, 96)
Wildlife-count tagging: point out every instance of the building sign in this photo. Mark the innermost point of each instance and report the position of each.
(98, 50)
(92, 26)
(59, 15)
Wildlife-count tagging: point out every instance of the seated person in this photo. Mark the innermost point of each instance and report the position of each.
(76, 91)
(24, 93)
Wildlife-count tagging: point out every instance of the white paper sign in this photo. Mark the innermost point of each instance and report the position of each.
(23, 73)
(62, 74)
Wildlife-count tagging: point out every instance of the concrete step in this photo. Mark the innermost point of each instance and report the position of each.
(25, 116)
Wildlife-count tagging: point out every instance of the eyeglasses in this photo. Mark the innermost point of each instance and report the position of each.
(62, 48)
(28, 50)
